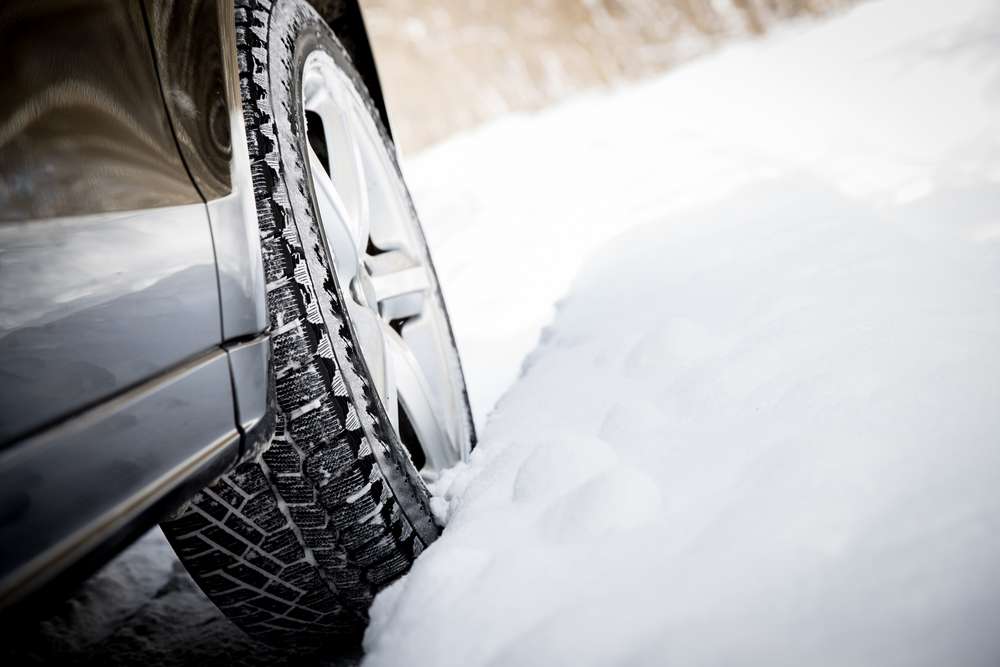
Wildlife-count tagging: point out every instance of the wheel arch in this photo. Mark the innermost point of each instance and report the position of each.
(193, 44)
(347, 21)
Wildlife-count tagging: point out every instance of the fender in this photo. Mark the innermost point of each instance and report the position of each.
(348, 24)
(194, 46)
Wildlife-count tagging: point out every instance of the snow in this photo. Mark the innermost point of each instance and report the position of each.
(141, 608)
(882, 105)
(758, 422)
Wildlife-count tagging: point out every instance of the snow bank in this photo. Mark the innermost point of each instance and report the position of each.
(763, 426)
(886, 104)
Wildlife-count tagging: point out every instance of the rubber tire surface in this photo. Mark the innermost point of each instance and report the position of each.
(294, 544)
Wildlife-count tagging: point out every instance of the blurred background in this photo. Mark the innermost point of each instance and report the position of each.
(449, 65)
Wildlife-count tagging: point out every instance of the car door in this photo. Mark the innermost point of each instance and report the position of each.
(116, 397)
(107, 269)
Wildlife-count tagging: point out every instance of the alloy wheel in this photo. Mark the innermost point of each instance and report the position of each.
(383, 271)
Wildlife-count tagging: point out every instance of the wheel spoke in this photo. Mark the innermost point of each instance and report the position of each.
(414, 395)
(340, 230)
(399, 284)
(357, 189)
(347, 164)
(370, 331)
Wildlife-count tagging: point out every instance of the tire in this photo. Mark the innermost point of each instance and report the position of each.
(293, 544)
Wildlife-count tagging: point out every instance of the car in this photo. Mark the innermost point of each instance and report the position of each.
(218, 311)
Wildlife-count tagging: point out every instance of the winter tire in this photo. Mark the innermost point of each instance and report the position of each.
(293, 544)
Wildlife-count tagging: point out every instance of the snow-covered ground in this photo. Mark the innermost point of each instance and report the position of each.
(142, 608)
(762, 425)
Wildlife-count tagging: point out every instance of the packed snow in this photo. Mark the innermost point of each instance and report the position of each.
(142, 608)
(760, 423)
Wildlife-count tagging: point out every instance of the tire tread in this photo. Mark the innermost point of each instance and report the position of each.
(293, 545)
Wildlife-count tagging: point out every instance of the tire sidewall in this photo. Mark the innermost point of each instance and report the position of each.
(290, 45)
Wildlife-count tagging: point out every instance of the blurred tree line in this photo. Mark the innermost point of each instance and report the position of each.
(448, 65)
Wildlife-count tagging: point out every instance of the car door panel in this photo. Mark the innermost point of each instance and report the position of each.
(92, 305)
(82, 124)
(75, 492)
(107, 266)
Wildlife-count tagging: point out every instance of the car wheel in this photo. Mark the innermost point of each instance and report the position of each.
(293, 544)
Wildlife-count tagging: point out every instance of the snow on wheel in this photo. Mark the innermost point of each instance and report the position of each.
(294, 544)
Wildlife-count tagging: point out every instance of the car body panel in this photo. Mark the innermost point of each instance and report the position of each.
(253, 387)
(92, 305)
(82, 127)
(187, 48)
(194, 45)
(91, 478)
(107, 265)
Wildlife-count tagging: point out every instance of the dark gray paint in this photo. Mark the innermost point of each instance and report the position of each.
(250, 365)
(234, 217)
(89, 479)
(90, 306)
(82, 124)
(194, 43)
(189, 59)
(107, 266)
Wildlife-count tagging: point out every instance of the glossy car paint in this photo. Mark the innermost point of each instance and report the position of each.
(194, 43)
(82, 125)
(116, 399)
(92, 305)
(187, 49)
(107, 269)
(250, 366)
(66, 492)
